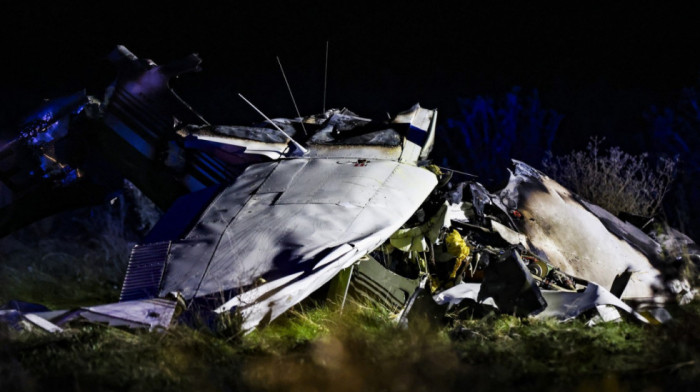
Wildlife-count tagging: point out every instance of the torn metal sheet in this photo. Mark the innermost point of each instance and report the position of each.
(42, 323)
(333, 234)
(148, 313)
(19, 321)
(374, 281)
(509, 235)
(328, 204)
(606, 314)
(566, 305)
(626, 231)
(233, 150)
(421, 133)
(508, 281)
(656, 315)
(458, 293)
(561, 228)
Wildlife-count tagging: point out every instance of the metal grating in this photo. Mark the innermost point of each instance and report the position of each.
(374, 282)
(364, 285)
(145, 271)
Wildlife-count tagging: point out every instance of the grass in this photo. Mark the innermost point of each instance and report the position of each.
(81, 265)
(550, 355)
(315, 346)
(361, 349)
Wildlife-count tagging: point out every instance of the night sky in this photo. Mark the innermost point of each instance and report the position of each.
(600, 66)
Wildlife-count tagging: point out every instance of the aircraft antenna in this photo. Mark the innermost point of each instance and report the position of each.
(325, 79)
(302, 149)
(457, 171)
(291, 95)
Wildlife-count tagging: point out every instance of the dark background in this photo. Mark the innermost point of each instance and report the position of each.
(600, 65)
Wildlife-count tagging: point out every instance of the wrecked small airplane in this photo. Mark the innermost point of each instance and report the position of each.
(261, 217)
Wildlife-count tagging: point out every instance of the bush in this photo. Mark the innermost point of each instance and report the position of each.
(616, 181)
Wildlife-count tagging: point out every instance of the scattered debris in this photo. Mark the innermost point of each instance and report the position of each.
(150, 313)
(257, 221)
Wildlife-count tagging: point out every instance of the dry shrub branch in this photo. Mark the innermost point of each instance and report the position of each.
(613, 179)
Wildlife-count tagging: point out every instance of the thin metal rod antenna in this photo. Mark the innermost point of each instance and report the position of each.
(302, 149)
(291, 95)
(325, 79)
(347, 287)
(457, 171)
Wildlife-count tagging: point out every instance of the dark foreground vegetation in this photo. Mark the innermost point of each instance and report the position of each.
(314, 347)
(362, 349)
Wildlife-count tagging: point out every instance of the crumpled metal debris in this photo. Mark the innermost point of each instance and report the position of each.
(543, 225)
(578, 237)
(254, 225)
(152, 314)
